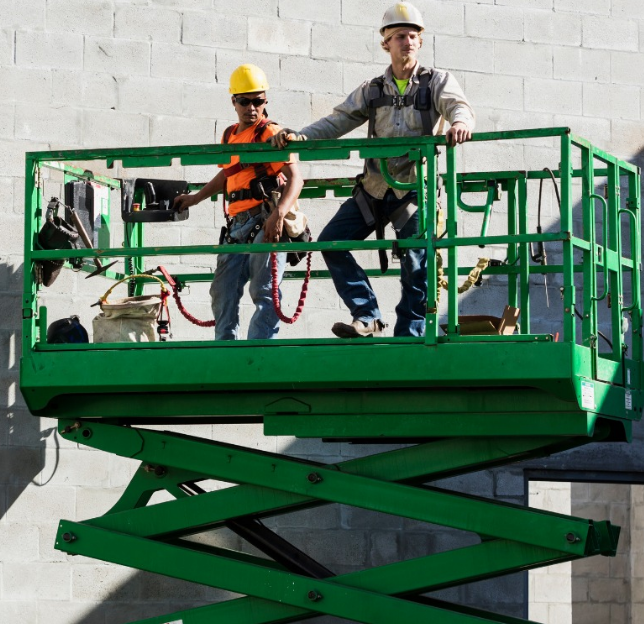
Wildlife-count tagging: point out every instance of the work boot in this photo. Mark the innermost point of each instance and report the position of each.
(359, 329)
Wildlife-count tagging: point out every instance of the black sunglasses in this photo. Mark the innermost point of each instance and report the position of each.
(244, 101)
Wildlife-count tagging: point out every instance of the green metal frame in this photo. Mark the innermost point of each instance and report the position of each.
(467, 403)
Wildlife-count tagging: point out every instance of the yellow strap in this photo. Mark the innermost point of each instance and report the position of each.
(103, 299)
(471, 279)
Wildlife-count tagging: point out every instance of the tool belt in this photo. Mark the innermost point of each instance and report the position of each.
(260, 188)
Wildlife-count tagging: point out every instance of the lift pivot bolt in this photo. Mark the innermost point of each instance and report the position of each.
(314, 595)
(314, 477)
(69, 537)
(572, 538)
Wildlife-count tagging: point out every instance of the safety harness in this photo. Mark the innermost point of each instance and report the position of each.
(421, 101)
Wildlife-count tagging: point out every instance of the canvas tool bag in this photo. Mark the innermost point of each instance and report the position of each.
(131, 319)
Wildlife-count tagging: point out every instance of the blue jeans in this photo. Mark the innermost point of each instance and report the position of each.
(231, 275)
(351, 281)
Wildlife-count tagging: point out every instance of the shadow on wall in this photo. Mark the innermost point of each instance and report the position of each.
(22, 443)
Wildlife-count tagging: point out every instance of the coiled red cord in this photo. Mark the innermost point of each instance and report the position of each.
(177, 298)
(276, 290)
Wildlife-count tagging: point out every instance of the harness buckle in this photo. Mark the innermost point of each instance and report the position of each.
(399, 101)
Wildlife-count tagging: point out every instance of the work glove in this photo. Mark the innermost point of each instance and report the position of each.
(285, 136)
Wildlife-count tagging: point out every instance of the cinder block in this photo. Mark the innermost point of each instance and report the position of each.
(356, 518)
(552, 588)
(83, 17)
(626, 68)
(263, 8)
(305, 74)
(23, 612)
(7, 121)
(155, 96)
(65, 612)
(23, 14)
(582, 64)
(19, 543)
(184, 62)
(331, 547)
(464, 53)
(290, 109)
(498, 92)
(527, 4)
(279, 36)
(599, 7)
(185, 4)
(330, 41)
(523, 59)
(36, 581)
(549, 95)
(117, 57)
(43, 123)
(320, 518)
(628, 137)
(627, 9)
(20, 84)
(611, 34)
(180, 131)
(103, 582)
(134, 22)
(353, 12)
(61, 50)
(6, 47)
(329, 11)
(493, 22)
(209, 101)
(215, 30)
(554, 28)
(385, 547)
(597, 130)
(99, 91)
(114, 129)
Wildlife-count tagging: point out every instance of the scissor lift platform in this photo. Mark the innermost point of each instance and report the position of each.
(460, 403)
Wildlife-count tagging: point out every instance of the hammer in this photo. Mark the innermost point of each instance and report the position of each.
(100, 268)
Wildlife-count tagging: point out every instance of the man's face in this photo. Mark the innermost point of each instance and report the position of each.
(404, 44)
(250, 106)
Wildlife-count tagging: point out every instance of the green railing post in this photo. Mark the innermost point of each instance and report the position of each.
(452, 233)
(569, 327)
(431, 318)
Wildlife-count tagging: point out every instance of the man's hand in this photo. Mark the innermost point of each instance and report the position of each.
(273, 227)
(183, 202)
(458, 133)
(284, 137)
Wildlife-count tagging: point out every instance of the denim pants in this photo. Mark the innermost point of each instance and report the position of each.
(351, 281)
(231, 275)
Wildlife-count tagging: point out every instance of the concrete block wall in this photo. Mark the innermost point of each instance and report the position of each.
(96, 73)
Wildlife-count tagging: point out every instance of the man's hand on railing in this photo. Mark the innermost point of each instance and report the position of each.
(285, 136)
(458, 133)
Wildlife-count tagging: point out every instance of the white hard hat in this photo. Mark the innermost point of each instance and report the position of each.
(402, 14)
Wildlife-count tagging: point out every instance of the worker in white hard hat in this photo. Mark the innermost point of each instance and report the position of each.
(407, 100)
(250, 217)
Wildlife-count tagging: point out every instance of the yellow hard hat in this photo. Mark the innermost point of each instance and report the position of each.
(402, 14)
(248, 79)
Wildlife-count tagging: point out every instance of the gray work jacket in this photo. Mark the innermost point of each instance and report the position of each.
(449, 104)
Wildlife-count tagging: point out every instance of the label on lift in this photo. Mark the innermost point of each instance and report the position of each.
(628, 376)
(588, 395)
(628, 400)
(174, 622)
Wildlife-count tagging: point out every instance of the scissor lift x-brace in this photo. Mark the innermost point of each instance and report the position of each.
(460, 403)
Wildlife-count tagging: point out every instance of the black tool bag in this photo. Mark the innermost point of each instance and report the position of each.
(56, 233)
(67, 330)
(295, 257)
(144, 200)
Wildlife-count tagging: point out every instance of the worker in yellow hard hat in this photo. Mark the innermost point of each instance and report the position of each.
(407, 100)
(250, 216)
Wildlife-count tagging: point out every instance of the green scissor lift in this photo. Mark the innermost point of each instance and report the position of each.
(460, 403)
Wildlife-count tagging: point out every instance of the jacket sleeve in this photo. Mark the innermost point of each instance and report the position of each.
(450, 101)
(348, 116)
